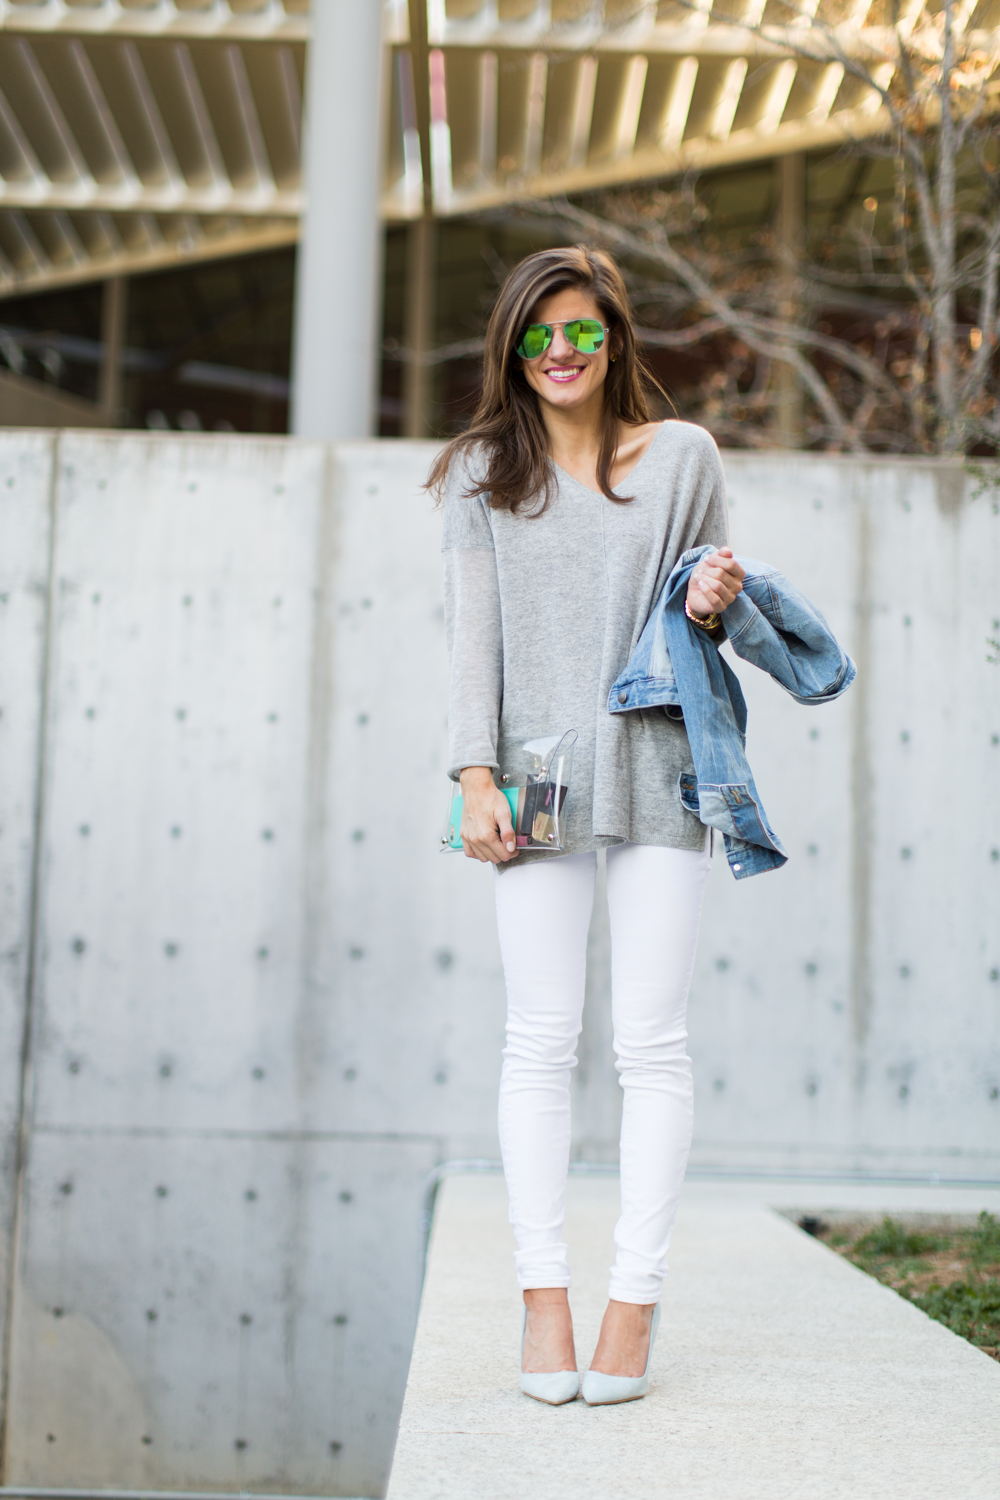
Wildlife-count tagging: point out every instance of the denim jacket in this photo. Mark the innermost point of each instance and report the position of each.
(678, 667)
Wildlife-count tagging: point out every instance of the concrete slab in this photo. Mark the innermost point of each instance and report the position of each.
(780, 1369)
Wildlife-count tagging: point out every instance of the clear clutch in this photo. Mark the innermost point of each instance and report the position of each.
(535, 780)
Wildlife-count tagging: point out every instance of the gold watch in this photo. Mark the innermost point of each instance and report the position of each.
(712, 623)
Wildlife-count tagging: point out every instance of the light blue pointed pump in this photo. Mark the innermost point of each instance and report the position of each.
(599, 1389)
(555, 1389)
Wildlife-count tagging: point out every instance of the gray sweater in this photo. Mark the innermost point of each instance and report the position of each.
(544, 611)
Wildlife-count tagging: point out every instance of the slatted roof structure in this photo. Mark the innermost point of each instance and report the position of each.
(137, 135)
(539, 97)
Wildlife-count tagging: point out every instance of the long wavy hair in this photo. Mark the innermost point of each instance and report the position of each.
(507, 428)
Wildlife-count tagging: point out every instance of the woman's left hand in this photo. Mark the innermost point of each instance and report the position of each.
(714, 584)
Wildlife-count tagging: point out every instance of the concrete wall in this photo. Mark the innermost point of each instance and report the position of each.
(847, 1009)
(261, 1005)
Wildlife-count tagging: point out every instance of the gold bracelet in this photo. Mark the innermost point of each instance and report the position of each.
(712, 623)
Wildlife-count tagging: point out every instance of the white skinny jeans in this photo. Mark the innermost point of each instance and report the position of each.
(543, 915)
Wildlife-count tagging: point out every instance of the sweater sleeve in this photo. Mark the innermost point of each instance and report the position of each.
(474, 631)
(714, 509)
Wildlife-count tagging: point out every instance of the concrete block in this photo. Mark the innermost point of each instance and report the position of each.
(214, 1310)
(406, 984)
(869, 964)
(26, 461)
(177, 800)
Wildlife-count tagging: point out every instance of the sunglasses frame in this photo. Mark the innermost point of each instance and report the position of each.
(563, 324)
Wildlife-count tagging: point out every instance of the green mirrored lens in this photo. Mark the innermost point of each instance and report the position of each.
(534, 341)
(586, 334)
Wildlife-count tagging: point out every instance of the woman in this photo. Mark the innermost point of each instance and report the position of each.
(566, 508)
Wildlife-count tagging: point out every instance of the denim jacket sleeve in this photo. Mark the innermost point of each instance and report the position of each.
(777, 629)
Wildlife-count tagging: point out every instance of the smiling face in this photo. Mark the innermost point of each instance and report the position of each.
(562, 375)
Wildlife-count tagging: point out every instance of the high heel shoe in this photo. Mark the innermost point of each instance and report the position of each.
(555, 1389)
(599, 1389)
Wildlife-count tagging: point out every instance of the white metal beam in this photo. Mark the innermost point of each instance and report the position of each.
(147, 250)
(271, 20)
(339, 284)
(102, 114)
(219, 197)
(254, 147)
(651, 162)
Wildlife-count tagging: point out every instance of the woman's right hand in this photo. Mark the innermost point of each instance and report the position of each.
(487, 832)
(714, 584)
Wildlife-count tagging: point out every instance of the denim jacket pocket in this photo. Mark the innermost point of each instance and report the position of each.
(687, 786)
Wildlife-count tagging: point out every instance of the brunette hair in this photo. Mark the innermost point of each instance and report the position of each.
(507, 426)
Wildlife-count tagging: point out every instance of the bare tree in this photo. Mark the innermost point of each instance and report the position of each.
(918, 372)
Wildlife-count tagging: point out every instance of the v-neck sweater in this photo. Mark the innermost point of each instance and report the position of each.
(543, 610)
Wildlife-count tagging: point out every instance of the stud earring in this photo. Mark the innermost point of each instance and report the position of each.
(613, 358)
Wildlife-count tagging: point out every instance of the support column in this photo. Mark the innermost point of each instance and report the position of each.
(421, 246)
(338, 297)
(421, 266)
(114, 315)
(790, 423)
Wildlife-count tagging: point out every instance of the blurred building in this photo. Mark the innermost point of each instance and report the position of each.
(152, 187)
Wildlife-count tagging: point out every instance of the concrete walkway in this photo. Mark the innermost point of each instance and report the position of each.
(780, 1371)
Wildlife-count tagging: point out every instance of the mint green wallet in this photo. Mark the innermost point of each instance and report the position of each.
(455, 815)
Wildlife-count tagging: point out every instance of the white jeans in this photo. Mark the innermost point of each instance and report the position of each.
(543, 915)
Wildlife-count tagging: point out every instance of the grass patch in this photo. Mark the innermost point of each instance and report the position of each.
(952, 1274)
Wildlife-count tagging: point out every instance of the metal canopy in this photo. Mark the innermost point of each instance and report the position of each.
(134, 137)
(137, 136)
(533, 99)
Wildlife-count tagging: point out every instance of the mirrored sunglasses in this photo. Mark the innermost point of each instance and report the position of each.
(585, 335)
